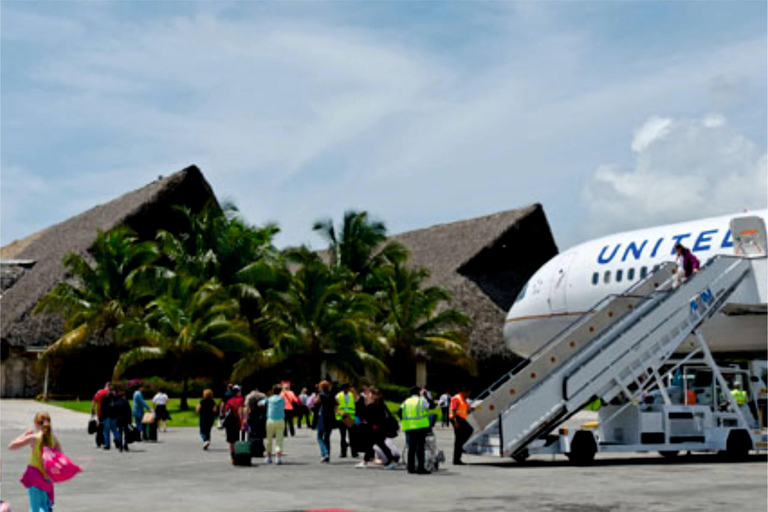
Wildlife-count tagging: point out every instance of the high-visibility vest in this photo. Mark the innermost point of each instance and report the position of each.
(740, 395)
(462, 410)
(346, 405)
(415, 414)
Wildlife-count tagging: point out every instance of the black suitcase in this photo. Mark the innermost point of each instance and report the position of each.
(151, 431)
(257, 447)
(242, 456)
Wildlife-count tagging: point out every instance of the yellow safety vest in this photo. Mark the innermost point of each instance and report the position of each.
(346, 405)
(415, 415)
(740, 395)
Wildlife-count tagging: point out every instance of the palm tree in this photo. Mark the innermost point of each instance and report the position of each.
(215, 243)
(193, 317)
(320, 319)
(416, 319)
(359, 246)
(107, 287)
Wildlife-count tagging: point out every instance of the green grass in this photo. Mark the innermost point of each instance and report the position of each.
(179, 418)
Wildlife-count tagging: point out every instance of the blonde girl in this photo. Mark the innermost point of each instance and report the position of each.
(39, 486)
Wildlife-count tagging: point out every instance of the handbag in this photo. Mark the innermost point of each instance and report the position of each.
(132, 434)
(93, 425)
(348, 421)
(58, 466)
(148, 418)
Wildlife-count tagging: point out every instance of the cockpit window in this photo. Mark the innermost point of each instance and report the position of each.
(521, 294)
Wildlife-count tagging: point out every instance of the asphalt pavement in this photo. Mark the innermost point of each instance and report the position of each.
(175, 474)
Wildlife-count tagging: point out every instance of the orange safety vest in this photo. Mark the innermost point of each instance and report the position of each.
(459, 406)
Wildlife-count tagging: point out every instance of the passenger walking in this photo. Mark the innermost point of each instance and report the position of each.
(303, 411)
(206, 408)
(462, 430)
(427, 395)
(415, 415)
(36, 480)
(139, 407)
(111, 414)
(325, 418)
(124, 417)
(345, 416)
(96, 412)
(687, 263)
(311, 407)
(227, 395)
(376, 424)
(276, 415)
(233, 419)
(445, 404)
(161, 409)
(291, 403)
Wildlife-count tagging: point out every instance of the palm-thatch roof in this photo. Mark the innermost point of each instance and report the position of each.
(145, 210)
(484, 262)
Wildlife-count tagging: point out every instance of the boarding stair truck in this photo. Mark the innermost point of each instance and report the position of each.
(617, 353)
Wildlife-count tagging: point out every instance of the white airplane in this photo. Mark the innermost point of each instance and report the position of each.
(574, 281)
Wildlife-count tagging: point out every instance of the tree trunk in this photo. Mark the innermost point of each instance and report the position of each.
(184, 406)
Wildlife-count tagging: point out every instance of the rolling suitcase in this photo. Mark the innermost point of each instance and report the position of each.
(242, 456)
(151, 431)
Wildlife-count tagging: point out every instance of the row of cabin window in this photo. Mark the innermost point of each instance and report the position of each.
(620, 275)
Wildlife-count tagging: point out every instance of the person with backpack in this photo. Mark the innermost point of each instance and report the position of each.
(124, 418)
(110, 413)
(276, 415)
(376, 426)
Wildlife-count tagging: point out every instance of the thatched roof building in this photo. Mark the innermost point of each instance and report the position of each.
(484, 262)
(32, 267)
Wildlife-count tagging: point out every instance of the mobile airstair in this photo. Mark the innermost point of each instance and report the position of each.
(610, 353)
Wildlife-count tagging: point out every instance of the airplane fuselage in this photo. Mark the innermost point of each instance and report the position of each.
(574, 281)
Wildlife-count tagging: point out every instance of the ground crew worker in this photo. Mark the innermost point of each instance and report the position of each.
(462, 430)
(345, 410)
(414, 413)
(739, 394)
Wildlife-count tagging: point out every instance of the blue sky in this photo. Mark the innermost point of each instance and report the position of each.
(614, 115)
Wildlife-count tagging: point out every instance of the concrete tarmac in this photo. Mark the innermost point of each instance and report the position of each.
(175, 474)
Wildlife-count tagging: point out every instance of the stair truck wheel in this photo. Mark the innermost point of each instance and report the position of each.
(669, 454)
(521, 456)
(583, 448)
(738, 445)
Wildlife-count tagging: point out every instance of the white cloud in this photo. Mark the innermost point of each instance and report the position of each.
(684, 168)
(653, 129)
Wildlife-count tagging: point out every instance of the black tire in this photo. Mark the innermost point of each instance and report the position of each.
(669, 454)
(521, 457)
(583, 448)
(738, 445)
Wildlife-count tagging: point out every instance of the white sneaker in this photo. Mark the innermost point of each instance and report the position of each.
(267, 460)
(278, 460)
(206, 445)
(362, 465)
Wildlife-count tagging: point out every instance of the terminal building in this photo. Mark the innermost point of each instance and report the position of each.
(483, 262)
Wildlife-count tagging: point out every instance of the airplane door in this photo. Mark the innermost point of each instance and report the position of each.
(749, 237)
(557, 292)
